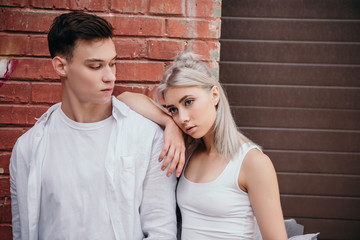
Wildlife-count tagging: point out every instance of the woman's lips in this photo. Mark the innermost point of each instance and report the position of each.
(190, 129)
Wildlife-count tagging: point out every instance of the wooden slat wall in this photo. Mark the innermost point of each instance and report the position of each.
(291, 70)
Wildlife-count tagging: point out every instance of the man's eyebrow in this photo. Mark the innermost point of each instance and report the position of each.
(98, 60)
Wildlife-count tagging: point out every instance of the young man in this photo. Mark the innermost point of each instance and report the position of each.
(89, 167)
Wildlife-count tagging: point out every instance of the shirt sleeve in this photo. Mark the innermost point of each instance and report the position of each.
(158, 207)
(14, 201)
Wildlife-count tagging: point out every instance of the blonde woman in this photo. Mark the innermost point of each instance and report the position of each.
(228, 184)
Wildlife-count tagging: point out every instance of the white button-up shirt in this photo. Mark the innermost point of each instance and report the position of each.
(140, 198)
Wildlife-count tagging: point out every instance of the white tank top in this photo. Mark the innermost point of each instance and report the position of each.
(218, 209)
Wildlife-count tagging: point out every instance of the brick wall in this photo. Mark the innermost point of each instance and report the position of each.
(148, 35)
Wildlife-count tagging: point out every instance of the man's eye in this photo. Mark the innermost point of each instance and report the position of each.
(95, 67)
(189, 102)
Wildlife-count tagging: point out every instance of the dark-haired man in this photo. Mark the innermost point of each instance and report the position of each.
(89, 167)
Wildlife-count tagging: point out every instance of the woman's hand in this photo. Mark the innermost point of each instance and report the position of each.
(173, 150)
(174, 146)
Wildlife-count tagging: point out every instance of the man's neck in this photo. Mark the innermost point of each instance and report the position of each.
(86, 112)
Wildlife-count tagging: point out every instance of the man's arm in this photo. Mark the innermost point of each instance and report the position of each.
(174, 146)
(158, 207)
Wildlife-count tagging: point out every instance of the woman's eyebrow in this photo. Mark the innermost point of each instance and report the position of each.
(181, 99)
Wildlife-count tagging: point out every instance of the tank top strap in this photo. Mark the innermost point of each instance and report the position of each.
(239, 157)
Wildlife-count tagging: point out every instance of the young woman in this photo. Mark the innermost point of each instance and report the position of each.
(228, 185)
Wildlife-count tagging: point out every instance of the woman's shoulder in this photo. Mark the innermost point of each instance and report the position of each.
(256, 162)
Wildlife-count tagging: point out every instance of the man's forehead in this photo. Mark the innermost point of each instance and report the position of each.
(95, 50)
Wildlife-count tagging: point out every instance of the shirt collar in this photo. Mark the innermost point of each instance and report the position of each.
(120, 109)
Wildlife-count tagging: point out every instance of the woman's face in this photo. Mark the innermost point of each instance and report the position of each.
(193, 109)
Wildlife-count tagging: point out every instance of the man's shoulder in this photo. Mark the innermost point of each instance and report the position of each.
(134, 119)
(24, 146)
(28, 137)
(36, 130)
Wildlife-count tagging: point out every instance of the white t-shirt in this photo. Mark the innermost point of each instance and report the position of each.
(73, 181)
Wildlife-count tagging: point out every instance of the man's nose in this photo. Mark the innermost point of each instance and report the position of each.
(109, 74)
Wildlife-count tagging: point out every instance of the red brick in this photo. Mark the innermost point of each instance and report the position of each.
(58, 4)
(2, 19)
(4, 162)
(13, 3)
(214, 67)
(138, 26)
(4, 186)
(140, 71)
(28, 20)
(130, 47)
(174, 7)
(5, 210)
(34, 68)
(140, 88)
(38, 46)
(15, 92)
(164, 49)
(6, 232)
(193, 28)
(208, 50)
(46, 92)
(20, 114)
(93, 5)
(134, 6)
(8, 137)
(23, 45)
(13, 44)
(203, 8)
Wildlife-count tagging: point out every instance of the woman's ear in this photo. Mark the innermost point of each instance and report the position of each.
(59, 65)
(215, 92)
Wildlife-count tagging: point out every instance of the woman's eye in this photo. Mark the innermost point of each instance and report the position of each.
(112, 64)
(172, 111)
(189, 102)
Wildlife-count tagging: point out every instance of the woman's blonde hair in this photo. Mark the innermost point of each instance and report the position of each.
(187, 71)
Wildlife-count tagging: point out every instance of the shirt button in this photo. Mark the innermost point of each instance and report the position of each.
(38, 134)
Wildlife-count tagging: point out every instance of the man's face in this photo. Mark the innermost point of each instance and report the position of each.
(90, 74)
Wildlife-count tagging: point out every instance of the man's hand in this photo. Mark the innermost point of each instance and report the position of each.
(174, 149)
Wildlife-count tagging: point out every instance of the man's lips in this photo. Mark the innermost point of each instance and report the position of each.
(107, 90)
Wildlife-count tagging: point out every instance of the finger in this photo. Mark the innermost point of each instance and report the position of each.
(180, 165)
(163, 152)
(173, 164)
(169, 157)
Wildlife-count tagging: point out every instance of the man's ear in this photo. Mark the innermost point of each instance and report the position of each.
(215, 92)
(59, 65)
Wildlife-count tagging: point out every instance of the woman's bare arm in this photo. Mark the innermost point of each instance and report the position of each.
(174, 147)
(259, 178)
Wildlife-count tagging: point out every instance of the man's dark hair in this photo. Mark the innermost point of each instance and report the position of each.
(70, 27)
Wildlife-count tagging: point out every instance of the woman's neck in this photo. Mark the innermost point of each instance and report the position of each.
(209, 143)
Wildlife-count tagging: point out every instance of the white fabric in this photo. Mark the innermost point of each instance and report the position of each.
(218, 209)
(139, 196)
(73, 180)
